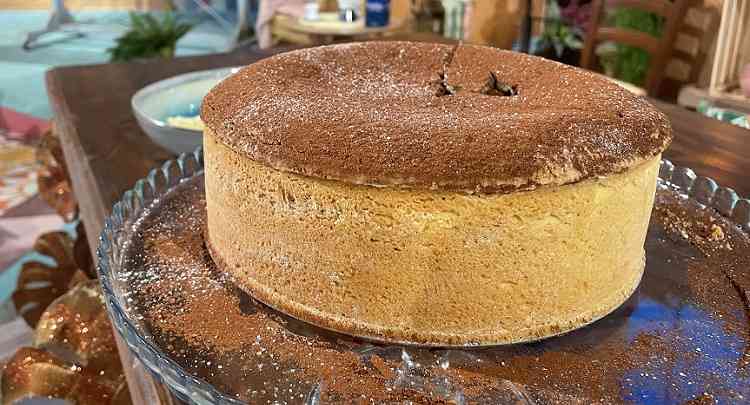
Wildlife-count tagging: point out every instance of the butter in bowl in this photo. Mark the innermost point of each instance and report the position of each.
(168, 110)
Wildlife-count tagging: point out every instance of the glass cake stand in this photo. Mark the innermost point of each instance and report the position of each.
(682, 336)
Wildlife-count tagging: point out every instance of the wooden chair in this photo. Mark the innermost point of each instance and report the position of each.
(689, 67)
(660, 49)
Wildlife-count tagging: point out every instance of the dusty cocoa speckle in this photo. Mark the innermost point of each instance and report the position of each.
(370, 113)
(716, 232)
(682, 337)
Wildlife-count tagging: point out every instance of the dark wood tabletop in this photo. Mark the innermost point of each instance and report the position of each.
(106, 152)
(710, 147)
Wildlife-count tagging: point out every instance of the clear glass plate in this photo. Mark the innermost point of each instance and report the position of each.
(682, 336)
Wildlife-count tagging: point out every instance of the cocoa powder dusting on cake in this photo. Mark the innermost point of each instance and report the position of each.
(373, 113)
(681, 337)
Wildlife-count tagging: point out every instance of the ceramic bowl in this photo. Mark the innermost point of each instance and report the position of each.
(177, 96)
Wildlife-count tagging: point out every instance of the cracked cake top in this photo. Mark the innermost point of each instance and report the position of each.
(462, 118)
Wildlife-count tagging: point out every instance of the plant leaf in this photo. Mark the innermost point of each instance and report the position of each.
(152, 25)
(149, 37)
(137, 22)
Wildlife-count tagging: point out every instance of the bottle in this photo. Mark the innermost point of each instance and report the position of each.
(349, 10)
(377, 13)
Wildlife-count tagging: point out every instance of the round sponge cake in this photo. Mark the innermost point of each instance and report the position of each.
(430, 194)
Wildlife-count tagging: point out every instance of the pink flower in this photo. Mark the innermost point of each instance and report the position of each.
(577, 14)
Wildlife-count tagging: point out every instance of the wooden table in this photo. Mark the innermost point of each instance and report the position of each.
(710, 147)
(106, 152)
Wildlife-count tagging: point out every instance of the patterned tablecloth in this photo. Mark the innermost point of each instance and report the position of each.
(23, 216)
(17, 172)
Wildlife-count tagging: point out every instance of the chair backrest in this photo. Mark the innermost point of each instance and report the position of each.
(659, 48)
(689, 64)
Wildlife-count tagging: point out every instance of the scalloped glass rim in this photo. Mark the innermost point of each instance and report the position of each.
(147, 191)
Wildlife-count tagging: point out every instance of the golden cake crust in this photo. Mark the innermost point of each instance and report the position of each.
(434, 337)
(426, 116)
(428, 267)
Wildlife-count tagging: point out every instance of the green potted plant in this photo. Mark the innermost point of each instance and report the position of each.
(560, 40)
(625, 62)
(149, 37)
